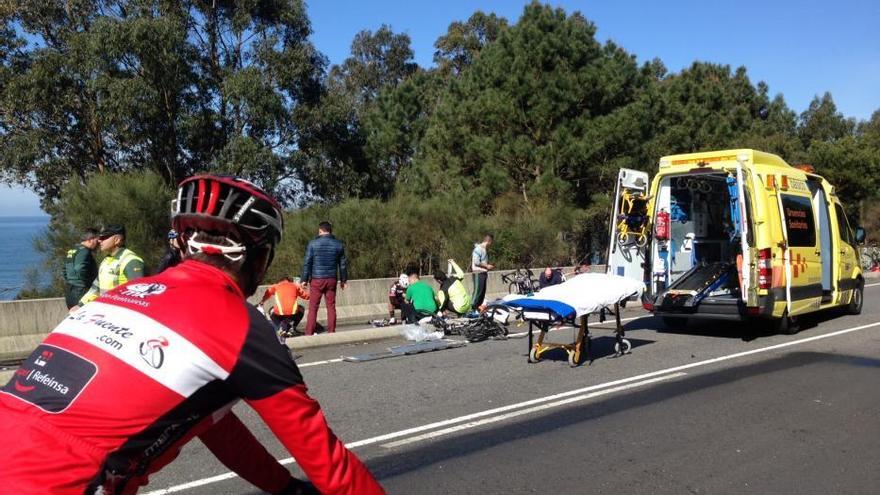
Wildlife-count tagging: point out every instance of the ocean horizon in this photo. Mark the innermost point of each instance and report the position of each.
(18, 253)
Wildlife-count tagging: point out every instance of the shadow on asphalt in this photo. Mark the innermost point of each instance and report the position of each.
(601, 347)
(412, 459)
(746, 331)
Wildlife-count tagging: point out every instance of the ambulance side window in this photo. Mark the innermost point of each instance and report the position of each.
(845, 233)
(799, 221)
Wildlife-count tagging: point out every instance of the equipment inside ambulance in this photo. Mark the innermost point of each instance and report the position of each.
(738, 235)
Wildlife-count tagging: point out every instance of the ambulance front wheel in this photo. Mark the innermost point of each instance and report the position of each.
(857, 300)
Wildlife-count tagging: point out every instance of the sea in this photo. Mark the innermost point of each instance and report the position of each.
(17, 252)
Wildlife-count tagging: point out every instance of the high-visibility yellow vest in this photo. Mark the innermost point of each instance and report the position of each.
(111, 273)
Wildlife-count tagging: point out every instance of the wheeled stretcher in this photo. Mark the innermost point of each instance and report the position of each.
(573, 302)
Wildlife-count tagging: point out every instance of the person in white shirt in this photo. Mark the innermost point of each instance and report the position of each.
(480, 266)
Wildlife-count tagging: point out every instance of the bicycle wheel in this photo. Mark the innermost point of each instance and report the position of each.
(474, 332)
(623, 238)
(513, 288)
(641, 240)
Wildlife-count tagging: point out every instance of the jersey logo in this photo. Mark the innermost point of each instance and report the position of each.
(144, 290)
(51, 378)
(152, 353)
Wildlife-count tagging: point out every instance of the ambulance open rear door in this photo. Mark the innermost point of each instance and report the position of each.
(627, 258)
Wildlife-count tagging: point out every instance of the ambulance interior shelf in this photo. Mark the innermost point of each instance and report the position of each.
(699, 256)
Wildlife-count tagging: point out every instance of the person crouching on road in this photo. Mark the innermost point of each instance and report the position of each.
(453, 295)
(286, 313)
(80, 268)
(420, 300)
(397, 297)
(550, 276)
(120, 265)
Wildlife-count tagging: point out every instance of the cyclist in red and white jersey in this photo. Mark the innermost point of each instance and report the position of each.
(118, 387)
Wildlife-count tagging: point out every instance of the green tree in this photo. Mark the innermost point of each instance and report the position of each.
(459, 47)
(172, 87)
(340, 166)
(822, 122)
(139, 200)
(518, 118)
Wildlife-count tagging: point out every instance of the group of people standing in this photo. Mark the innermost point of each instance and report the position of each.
(85, 280)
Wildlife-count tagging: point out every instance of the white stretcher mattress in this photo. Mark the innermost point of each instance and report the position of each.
(581, 295)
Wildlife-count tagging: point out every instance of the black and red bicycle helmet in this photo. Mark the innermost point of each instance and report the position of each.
(228, 204)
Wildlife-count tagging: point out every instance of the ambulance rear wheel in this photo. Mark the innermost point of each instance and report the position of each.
(786, 325)
(856, 301)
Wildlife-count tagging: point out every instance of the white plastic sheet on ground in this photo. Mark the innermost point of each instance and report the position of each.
(419, 333)
(588, 292)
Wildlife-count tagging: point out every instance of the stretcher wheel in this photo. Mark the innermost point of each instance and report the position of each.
(533, 355)
(572, 361)
(626, 346)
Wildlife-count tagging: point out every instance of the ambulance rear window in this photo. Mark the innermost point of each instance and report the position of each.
(799, 221)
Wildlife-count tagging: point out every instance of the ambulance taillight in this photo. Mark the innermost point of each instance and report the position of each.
(765, 268)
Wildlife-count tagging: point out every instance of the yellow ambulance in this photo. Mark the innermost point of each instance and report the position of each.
(735, 235)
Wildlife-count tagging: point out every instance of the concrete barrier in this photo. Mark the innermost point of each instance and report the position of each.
(24, 324)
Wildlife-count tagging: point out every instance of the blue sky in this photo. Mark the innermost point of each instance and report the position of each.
(799, 48)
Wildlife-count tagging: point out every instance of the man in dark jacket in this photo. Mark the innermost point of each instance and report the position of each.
(80, 268)
(550, 276)
(324, 265)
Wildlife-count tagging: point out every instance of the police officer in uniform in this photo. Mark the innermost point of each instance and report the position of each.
(118, 267)
(80, 268)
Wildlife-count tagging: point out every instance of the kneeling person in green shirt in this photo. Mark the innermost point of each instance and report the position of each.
(419, 299)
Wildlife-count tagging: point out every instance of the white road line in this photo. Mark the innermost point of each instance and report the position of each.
(569, 327)
(530, 410)
(549, 398)
(872, 285)
(316, 363)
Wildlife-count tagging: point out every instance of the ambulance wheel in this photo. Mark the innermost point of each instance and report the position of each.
(786, 325)
(672, 323)
(533, 355)
(626, 347)
(856, 301)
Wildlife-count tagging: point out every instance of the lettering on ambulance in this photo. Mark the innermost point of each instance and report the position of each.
(800, 224)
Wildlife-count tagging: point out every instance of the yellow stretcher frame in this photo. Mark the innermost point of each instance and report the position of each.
(582, 341)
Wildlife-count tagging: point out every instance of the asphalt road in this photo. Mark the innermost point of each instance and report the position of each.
(711, 409)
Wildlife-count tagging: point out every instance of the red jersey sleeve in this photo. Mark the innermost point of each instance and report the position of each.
(237, 448)
(268, 379)
(297, 420)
